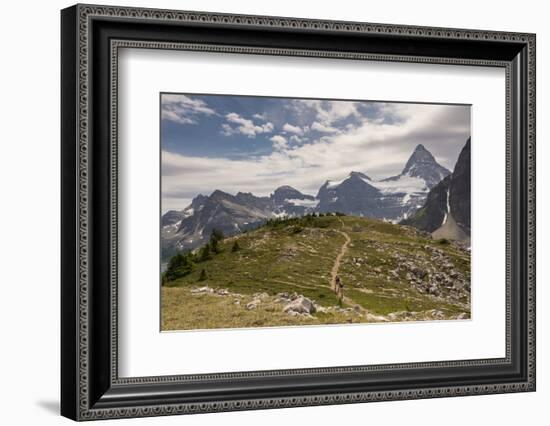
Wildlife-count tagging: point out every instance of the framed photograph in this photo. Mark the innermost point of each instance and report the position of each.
(263, 212)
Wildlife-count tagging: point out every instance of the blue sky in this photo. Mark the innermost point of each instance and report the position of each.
(240, 126)
(255, 144)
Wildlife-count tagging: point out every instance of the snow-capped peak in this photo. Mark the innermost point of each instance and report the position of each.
(331, 184)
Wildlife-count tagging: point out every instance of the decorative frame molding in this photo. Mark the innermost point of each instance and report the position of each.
(91, 388)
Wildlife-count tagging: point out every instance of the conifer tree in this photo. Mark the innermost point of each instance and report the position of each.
(203, 276)
(205, 253)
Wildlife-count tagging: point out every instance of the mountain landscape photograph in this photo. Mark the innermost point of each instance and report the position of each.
(293, 212)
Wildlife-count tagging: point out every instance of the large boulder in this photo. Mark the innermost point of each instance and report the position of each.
(300, 305)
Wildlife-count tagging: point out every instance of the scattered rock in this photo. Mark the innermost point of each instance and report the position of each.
(252, 305)
(288, 253)
(282, 298)
(301, 305)
(437, 314)
(434, 290)
(401, 316)
(419, 272)
(375, 318)
(202, 290)
(260, 296)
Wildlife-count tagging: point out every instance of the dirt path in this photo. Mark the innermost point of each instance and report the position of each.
(336, 267)
(338, 260)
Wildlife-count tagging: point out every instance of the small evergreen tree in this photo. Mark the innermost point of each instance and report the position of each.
(203, 276)
(214, 245)
(235, 247)
(179, 266)
(215, 237)
(205, 253)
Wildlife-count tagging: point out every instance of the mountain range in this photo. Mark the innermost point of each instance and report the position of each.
(395, 199)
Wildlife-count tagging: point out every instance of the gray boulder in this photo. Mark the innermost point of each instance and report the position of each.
(300, 305)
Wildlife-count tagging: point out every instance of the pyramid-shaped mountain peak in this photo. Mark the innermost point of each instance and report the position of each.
(419, 156)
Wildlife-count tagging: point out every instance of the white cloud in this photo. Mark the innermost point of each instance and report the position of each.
(297, 130)
(227, 130)
(297, 139)
(244, 126)
(328, 112)
(259, 116)
(323, 128)
(183, 109)
(335, 111)
(279, 142)
(184, 177)
(376, 146)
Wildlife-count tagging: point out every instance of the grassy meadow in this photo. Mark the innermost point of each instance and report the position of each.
(390, 273)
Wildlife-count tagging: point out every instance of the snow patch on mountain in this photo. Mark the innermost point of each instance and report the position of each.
(448, 211)
(335, 183)
(303, 203)
(403, 185)
(332, 184)
(172, 227)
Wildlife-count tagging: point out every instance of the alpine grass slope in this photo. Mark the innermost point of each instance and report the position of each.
(283, 272)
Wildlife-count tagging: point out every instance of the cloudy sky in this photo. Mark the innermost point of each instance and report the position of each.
(255, 144)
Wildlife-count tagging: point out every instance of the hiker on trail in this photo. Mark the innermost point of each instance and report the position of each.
(339, 288)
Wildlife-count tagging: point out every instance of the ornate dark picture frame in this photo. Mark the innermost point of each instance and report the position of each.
(90, 385)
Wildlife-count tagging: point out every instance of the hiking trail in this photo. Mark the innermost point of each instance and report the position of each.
(338, 260)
